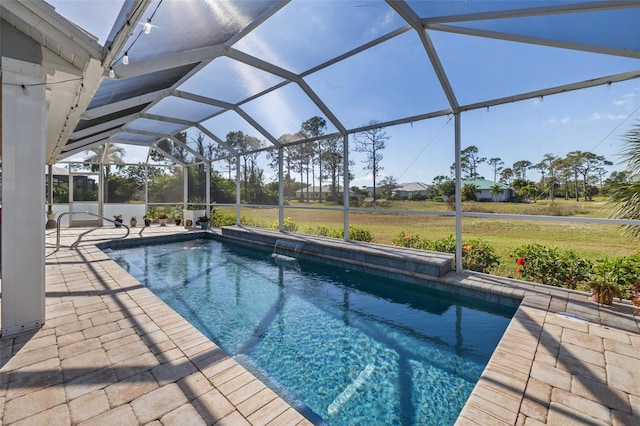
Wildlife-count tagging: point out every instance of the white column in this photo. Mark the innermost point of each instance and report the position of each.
(238, 197)
(280, 188)
(185, 187)
(207, 186)
(458, 145)
(345, 187)
(23, 190)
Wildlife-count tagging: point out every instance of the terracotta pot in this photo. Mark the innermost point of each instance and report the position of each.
(604, 297)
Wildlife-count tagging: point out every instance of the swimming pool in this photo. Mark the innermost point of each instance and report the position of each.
(343, 347)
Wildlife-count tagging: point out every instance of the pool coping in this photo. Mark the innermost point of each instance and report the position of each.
(547, 368)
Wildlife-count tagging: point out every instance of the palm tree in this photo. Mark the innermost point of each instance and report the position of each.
(496, 190)
(106, 154)
(626, 195)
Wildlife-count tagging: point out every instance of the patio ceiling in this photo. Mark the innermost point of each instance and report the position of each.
(265, 66)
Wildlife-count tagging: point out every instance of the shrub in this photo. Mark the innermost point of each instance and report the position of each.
(322, 231)
(549, 265)
(477, 255)
(409, 241)
(444, 245)
(218, 219)
(287, 225)
(416, 196)
(359, 234)
(620, 271)
(355, 234)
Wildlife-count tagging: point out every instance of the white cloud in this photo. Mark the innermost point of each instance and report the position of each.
(628, 99)
(563, 120)
(596, 116)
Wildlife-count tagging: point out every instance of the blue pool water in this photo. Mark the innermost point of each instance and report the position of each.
(346, 348)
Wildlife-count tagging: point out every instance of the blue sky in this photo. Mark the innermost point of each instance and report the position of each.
(395, 80)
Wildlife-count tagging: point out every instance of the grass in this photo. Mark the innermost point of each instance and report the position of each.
(591, 241)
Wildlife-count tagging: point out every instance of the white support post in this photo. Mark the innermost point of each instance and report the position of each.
(345, 187)
(102, 197)
(185, 186)
(146, 187)
(23, 187)
(238, 198)
(458, 144)
(207, 186)
(280, 189)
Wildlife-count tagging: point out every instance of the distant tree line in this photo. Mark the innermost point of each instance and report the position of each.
(321, 160)
(577, 174)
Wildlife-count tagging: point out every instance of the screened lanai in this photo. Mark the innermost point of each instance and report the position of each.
(223, 86)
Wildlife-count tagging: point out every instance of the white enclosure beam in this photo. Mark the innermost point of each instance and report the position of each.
(280, 189)
(345, 186)
(226, 146)
(238, 198)
(207, 186)
(185, 187)
(188, 148)
(602, 81)
(151, 65)
(23, 186)
(534, 11)
(125, 104)
(407, 13)
(458, 195)
(541, 41)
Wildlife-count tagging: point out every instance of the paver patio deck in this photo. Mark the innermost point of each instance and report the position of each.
(111, 352)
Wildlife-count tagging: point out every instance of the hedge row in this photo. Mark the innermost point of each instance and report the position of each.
(532, 262)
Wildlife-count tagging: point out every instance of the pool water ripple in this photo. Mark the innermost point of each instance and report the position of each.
(353, 348)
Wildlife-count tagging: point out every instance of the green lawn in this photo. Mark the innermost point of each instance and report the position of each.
(592, 241)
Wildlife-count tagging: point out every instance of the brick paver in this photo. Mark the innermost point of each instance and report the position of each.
(111, 352)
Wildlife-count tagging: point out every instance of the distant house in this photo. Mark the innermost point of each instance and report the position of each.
(485, 187)
(314, 192)
(403, 189)
(411, 188)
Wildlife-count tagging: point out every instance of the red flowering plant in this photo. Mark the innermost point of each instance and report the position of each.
(549, 265)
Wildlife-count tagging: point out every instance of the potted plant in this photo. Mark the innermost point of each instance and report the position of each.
(635, 295)
(178, 218)
(604, 293)
(603, 288)
(51, 219)
(118, 219)
(204, 222)
(133, 221)
(162, 218)
(147, 220)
